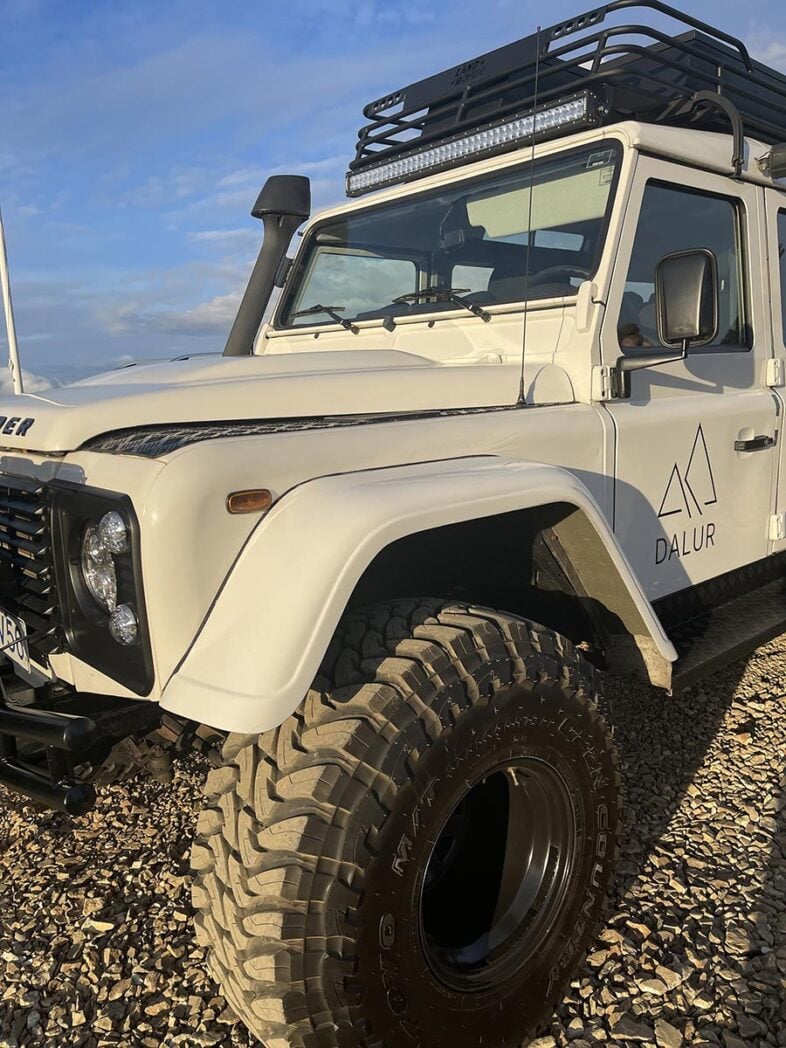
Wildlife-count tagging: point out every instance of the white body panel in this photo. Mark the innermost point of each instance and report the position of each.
(252, 685)
(687, 506)
(190, 543)
(379, 434)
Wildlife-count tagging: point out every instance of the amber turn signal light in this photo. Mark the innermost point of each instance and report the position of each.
(256, 500)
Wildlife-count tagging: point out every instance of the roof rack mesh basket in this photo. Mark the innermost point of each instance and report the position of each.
(631, 71)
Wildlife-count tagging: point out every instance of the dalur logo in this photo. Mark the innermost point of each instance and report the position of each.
(690, 492)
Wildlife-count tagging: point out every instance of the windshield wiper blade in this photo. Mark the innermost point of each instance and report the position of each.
(445, 294)
(334, 312)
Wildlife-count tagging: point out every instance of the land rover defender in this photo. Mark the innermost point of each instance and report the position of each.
(509, 420)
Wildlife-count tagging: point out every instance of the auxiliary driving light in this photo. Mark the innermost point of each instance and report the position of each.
(488, 140)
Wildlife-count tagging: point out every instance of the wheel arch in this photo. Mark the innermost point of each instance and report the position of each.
(343, 540)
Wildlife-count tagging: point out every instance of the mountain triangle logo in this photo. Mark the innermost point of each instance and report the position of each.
(691, 491)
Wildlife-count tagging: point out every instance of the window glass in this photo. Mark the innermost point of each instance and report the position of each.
(558, 239)
(355, 282)
(672, 220)
(782, 256)
(471, 278)
(482, 235)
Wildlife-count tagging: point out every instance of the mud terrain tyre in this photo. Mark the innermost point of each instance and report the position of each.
(419, 855)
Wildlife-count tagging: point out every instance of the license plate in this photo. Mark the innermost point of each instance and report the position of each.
(13, 640)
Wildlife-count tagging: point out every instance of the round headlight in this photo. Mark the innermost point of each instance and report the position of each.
(123, 625)
(113, 532)
(98, 569)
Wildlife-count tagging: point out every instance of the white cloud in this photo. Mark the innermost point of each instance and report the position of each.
(248, 238)
(772, 53)
(32, 383)
(167, 189)
(243, 176)
(212, 317)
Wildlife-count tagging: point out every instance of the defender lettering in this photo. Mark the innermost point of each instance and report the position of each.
(15, 425)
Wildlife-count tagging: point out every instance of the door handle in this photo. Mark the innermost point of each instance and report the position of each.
(754, 443)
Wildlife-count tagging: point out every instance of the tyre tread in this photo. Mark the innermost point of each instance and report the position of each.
(270, 844)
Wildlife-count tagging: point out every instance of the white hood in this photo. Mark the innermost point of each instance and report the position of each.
(221, 389)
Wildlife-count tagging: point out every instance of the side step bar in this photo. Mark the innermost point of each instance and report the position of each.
(62, 736)
(728, 631)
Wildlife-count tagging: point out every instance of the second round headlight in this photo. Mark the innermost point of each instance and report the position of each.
(98, 569)
(113, 531)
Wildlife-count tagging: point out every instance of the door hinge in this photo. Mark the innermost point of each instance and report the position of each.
(776, 373)
(602, 382)
(777, 527)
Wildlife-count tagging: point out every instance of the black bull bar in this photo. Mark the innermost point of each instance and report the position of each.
(38, 751)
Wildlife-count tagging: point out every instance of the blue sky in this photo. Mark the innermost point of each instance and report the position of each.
(134, 137)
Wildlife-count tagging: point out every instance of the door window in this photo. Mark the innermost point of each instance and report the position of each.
(676, 219)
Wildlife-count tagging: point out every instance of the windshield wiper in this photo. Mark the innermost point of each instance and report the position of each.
(445, 294)
(334, 312)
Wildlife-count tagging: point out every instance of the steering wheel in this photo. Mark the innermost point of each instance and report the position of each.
(546, 275)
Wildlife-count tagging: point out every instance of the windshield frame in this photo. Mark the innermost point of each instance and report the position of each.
(300, 267)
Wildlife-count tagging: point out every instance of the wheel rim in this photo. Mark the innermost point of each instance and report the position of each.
(498, 875)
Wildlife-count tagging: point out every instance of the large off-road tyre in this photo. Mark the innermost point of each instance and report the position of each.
(419, 855)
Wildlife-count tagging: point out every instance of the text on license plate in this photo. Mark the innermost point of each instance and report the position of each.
(13, 639)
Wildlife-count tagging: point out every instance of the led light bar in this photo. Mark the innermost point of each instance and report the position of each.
(580, 111)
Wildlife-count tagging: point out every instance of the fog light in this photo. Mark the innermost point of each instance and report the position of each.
(123, 625)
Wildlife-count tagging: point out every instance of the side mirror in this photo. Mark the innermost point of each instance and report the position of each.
(686, 299)
(283, 204)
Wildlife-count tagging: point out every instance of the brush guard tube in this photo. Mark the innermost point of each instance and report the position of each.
(62, 736)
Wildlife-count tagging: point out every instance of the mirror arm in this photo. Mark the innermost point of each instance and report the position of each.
(625, 366)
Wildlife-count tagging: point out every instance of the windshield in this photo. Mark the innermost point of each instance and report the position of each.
(474, 238)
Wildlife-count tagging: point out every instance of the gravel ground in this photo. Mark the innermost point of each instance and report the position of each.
(95, 936)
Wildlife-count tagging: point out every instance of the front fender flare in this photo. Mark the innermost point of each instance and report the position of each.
(263, 640)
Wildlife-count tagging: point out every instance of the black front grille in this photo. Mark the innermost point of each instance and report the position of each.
(27, 583)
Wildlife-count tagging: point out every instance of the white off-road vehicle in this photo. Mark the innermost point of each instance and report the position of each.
(515, 418)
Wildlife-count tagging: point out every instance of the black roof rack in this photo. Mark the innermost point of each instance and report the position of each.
(634, 71)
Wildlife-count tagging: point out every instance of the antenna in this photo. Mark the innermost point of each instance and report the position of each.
(10, 325)
(522, 393)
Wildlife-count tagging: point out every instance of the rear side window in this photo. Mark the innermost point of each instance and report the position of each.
(677, 219)
(782, 256)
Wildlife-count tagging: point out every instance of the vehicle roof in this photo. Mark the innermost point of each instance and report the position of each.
(593, 69)
(708, 150)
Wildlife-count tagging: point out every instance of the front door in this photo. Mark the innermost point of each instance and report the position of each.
(776, 244)
(695, 450)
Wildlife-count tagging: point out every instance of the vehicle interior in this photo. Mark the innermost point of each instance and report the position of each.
(493, 241)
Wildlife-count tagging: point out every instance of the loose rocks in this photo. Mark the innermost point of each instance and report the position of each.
(96, 946)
